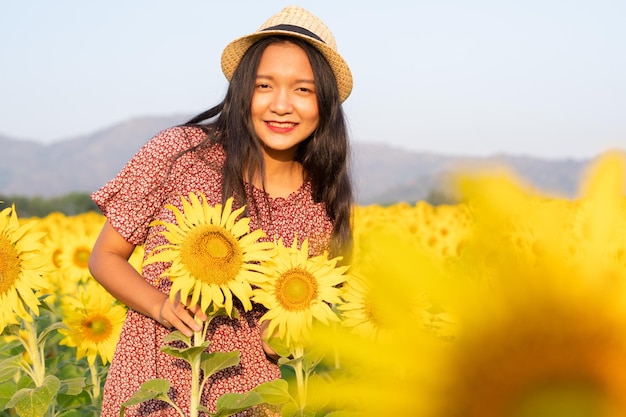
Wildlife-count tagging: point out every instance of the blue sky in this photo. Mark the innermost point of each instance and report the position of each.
(536, 77)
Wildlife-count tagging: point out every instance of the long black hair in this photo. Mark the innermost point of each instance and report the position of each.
(324, 155)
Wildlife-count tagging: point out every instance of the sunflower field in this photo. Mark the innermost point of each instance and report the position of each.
(509, 303)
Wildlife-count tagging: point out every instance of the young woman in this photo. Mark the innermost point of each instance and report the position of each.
(278, 144)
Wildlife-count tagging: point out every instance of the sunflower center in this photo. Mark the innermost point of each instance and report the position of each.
(56, 258)
(296, 289)
(97, 328)
(81, 256)
(211, 254)
(9, 265)
(370, 313)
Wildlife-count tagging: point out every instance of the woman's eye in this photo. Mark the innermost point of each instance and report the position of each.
(262, 86)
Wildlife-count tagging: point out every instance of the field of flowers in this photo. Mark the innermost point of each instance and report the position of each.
(508, 303)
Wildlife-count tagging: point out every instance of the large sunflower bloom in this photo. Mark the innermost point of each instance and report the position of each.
(93, 322)
(299, 289)
(540, 321)
(212, 254)
(21, 269)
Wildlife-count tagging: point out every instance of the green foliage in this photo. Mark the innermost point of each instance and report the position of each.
(40, 377)
(69, 204)
(203, 365)
(34, 402)
(153, 389)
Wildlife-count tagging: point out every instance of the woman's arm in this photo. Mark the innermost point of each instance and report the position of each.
(109, 266)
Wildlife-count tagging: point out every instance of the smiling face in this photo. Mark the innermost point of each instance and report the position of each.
(284, 107)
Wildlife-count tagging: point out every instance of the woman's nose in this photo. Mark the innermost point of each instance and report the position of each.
(281, 102)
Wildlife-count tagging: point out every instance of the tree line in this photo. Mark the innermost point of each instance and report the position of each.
(36, 206)
(76, 203)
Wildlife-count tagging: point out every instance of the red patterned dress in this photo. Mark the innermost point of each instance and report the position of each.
(135, 197)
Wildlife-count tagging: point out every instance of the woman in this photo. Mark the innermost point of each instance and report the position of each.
(278, 144)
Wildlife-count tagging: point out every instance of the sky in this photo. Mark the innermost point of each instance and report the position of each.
(542, 78)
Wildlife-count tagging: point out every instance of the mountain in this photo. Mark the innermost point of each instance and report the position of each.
(382, 174)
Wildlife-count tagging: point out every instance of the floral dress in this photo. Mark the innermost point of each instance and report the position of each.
(136, 197)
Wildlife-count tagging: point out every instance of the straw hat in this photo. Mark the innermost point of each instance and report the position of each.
(297, 22)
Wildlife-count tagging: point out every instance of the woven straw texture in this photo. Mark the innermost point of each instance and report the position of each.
(293, 16)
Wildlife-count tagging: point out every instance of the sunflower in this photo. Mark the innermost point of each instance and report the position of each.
(93, 322)
(357, 309)
(21, 269)
(299, 289)
(384, 339)
(54, 226)
(73, 258)
(136, 258)
(540, 325)
(363, 310)
(212, 254)
(553, 308)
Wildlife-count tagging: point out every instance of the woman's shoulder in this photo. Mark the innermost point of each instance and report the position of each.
(177, 139)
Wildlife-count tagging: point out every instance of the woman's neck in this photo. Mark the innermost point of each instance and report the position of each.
(282, 178)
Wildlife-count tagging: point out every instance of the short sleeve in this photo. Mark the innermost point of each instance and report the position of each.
(134, 196)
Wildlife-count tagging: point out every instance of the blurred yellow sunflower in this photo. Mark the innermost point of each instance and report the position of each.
(362, 310)
(387, 353)
(21, 269)
(540, 325)
(298, 290)
(136, 258)
(553, 304)
(212, 254)
(54, 226)
(93, 321)
(74, 255)
(357, 309)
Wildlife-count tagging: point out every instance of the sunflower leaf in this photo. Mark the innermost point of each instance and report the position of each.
(214, 362)
(9, 367)
(177, 336)
(274, 392)
(43, 336)
(43, 303)
(153, 389)
(72, 386)
(12, 329)
(232, 403)
(221, 312)
(279, 346)
(189, 354)
(7, 390)
(34, 402)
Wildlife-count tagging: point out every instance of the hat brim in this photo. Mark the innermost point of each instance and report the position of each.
(234, 51)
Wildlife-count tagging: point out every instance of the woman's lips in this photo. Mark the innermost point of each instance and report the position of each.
(281, 127)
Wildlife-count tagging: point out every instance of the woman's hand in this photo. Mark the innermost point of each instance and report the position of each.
(175, 314)
(109, 265)
(271, 354)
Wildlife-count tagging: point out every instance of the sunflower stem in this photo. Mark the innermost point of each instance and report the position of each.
(35, 352)
(301, 378)
(195, 388)
(198, 339)
(95, 380)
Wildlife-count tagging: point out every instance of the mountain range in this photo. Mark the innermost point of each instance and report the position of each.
(382, 174)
